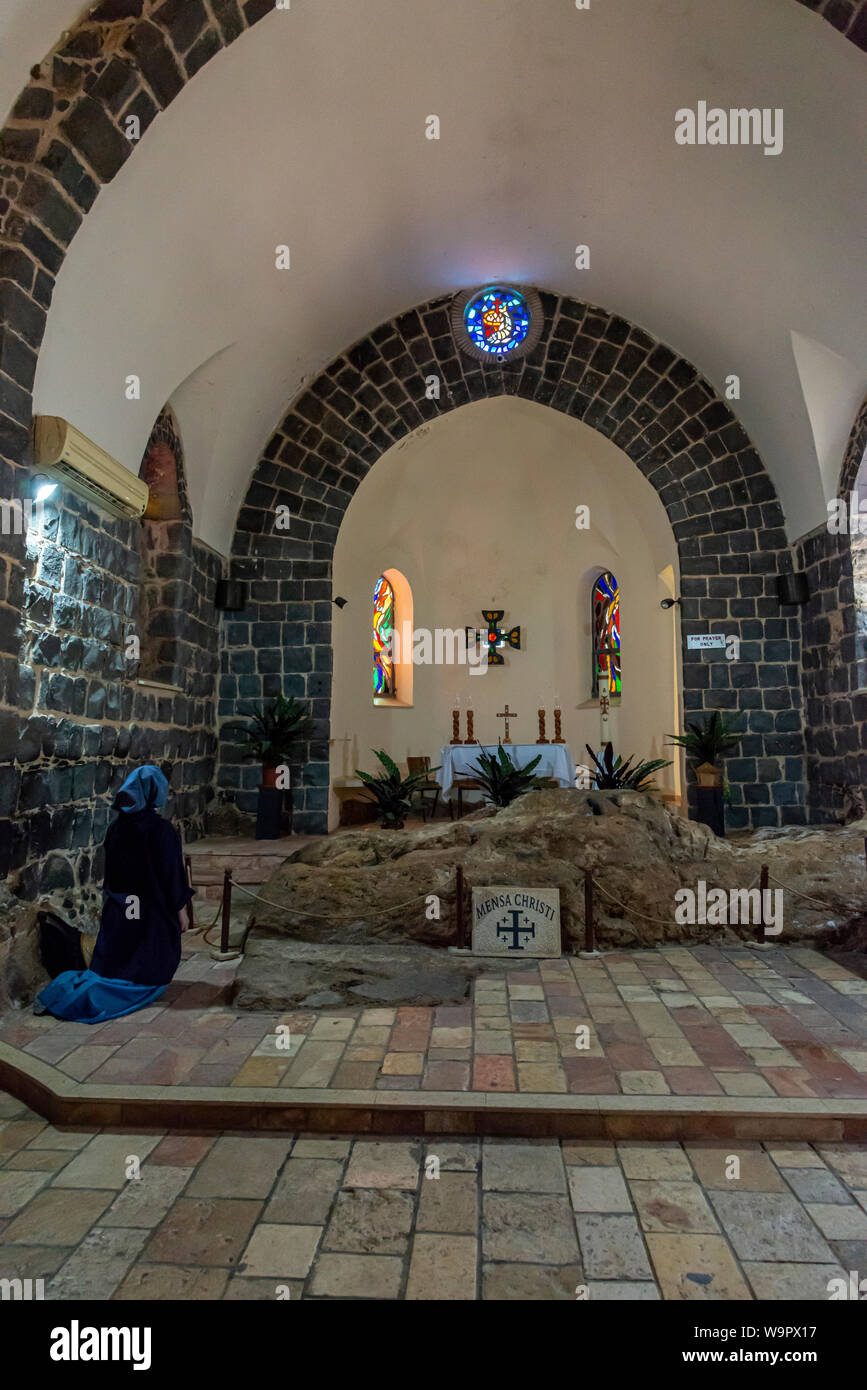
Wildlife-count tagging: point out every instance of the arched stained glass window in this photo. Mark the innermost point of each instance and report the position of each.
(606, 633)
(383, 626)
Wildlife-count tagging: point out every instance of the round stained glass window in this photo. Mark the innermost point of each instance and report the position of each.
(497, 322)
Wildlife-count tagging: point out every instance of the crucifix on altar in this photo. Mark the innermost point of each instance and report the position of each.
(507, 714)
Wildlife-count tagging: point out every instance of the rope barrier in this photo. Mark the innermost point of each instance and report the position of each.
(399, 907)
(323, 916)
(826, 907)
(204, 930)
(665, 921)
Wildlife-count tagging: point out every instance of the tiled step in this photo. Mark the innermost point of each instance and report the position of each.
(251, 863)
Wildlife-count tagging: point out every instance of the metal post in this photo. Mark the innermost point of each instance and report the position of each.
(227, 911)
(865, 851)
(188, 866)
(589, 925)
(763, 885)
(459, 910)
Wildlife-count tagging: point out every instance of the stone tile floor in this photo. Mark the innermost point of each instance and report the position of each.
(700, 1021)
(273, 1216)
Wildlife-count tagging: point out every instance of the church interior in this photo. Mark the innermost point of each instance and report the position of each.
(433, 651)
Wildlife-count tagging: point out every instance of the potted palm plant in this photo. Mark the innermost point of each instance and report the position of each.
(618, 774)
(501, 780)
(272, 732)
(705, 745)
(270, 736)
(391, 791)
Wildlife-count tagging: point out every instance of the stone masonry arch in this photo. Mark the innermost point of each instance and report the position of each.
(62, 142)
(598, 368)
(834, 652)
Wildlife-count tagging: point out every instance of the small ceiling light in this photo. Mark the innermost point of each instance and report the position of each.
(42, 487)
(339, 602)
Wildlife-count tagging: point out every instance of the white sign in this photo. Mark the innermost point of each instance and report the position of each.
(516, 922)
(705, 640)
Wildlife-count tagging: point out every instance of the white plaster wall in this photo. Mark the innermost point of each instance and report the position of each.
(478, 510)
(29, 29)
(557, 129)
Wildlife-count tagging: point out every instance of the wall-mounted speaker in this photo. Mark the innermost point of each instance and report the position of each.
(231, 595)
(792, 588)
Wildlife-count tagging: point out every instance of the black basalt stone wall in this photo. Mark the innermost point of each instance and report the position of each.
(64, 140)
(847, 16)
(834, 655)
(600, 369)
(75, 720)
(64, 605)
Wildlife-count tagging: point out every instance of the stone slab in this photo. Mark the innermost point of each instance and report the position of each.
(515, 922)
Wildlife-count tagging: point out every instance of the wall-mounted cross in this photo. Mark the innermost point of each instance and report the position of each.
(495, 636)
(507, 714)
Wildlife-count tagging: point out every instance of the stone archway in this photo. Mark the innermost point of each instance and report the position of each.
(167, 596)
(834, 655)
(598, 368)
(65, 138)
(849, 17)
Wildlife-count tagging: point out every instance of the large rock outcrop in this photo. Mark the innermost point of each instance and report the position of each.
(375, 884)
(278, 975)
(22, 973)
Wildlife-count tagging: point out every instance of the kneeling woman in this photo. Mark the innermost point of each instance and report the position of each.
(145, 910)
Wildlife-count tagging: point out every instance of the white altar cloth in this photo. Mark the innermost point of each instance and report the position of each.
(459, 760)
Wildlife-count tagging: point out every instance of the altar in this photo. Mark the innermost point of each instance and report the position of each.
(459, 760)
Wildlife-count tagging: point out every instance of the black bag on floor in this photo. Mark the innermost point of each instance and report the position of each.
(59, 945)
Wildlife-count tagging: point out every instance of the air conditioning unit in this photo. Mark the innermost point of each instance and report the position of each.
(66, 454)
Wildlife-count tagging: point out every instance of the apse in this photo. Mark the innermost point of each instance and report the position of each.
(485, 509)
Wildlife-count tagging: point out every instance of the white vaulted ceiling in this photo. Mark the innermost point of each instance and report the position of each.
(557, 129)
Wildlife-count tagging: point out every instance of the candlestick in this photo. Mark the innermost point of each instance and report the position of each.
(456, 726)
(557, 736)
(541, 738)
(470, 738)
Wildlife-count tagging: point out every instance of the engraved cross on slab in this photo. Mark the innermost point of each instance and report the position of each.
(516, 929)
(507, 714)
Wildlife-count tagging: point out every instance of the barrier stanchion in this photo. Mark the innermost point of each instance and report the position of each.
(460, 925)
(763, 888)
(188, 868)
(589, 924)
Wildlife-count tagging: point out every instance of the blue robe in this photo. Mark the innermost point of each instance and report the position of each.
(138, 948)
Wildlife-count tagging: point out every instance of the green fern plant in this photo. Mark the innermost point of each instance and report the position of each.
(273, 729)
(502, 781)
(706, 743)
(615, 774)
(391, 791)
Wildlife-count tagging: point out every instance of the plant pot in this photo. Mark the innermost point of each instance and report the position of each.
(710, 809)
(269, 814)
(269, 774)
(709, 775)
